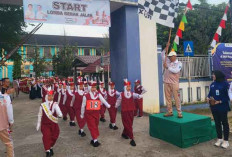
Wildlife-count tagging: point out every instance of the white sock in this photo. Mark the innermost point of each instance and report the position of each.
(47, 150)
(82, 130)
(73, 121)
(113, 124)
(95, 140)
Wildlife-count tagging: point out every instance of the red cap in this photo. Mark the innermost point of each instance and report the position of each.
(101, 83)
(70, 79)
(51, 92)
(112, 84)
(127, 83)
(80, 83)
(71, 83)
(85, 83)
(93, 83)
(137, 81)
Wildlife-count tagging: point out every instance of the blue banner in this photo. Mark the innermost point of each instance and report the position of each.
(222, 59)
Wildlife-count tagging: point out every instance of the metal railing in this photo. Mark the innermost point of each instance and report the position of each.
(199, 67)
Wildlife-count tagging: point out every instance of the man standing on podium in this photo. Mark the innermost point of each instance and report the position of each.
(172, 68)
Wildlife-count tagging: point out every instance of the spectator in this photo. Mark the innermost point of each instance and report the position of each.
(218, 98)
(5, 85)
(6, 123)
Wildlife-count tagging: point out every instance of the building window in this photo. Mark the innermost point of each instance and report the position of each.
(30, 52)
(27, 67)
(190, 95)
(206, 91)
(47, 52)
(198, 93)
(98, 52)
(181, 95)
(87, 52)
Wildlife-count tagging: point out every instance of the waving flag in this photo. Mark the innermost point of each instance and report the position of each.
(161, 11)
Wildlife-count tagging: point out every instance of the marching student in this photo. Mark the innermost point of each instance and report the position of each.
(126, 100)
(139, 102)
(56, 94)
(78, 97)
(112, 95)
(86, 87)
(102, 91)
(91, 106)
(61, 100)
(44, 90)
(49, 113)
(69, 100)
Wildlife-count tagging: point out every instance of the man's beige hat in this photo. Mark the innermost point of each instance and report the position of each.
(172, 53)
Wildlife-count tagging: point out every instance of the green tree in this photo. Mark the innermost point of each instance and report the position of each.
(17, 66)
(62, 62)
(11, 27)
(38, 62)
(202, 24)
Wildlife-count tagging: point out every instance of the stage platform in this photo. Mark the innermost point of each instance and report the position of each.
(192, 129)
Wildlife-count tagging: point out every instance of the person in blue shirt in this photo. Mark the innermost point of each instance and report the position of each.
(218, 98)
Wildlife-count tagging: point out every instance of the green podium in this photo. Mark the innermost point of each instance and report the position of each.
(192, 129)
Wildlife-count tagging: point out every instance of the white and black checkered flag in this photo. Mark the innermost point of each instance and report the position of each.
(162, 11)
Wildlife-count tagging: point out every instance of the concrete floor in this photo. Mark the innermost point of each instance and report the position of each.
(28, 142)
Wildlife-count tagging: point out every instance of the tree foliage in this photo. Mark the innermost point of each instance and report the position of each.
(11, 26)
(38, 62)
(17, 66)
(63, 61)
(202, 24)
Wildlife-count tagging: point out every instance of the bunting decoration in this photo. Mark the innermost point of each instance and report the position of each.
(181, 27)
(221, 26)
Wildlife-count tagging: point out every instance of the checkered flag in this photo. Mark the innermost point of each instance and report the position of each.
(162, 11)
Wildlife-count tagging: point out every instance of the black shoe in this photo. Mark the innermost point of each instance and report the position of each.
(91, 142)
(72, 123)
(125, 136)
(102, 120)
(48, 154)
(132, 142)
(82, 133)
(140, 116)
(111, 126)
(51, 152)
(115, 127)
(96, 144)
(65, 118)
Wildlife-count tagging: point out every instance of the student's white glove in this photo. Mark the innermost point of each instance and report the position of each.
(82, 116)
(38, 126)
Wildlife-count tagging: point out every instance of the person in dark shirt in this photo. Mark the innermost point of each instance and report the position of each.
(218, 98)
(6, 85)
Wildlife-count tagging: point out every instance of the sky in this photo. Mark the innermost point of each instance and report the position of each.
(87, 31)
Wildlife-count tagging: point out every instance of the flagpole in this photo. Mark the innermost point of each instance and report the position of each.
(167, 47)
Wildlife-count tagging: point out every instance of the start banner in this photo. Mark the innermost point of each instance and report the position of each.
(74, 12)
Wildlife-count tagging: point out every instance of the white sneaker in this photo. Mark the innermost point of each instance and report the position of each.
(225, 144)
(219, 142)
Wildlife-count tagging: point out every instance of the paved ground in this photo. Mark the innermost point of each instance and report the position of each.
(28, 142)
